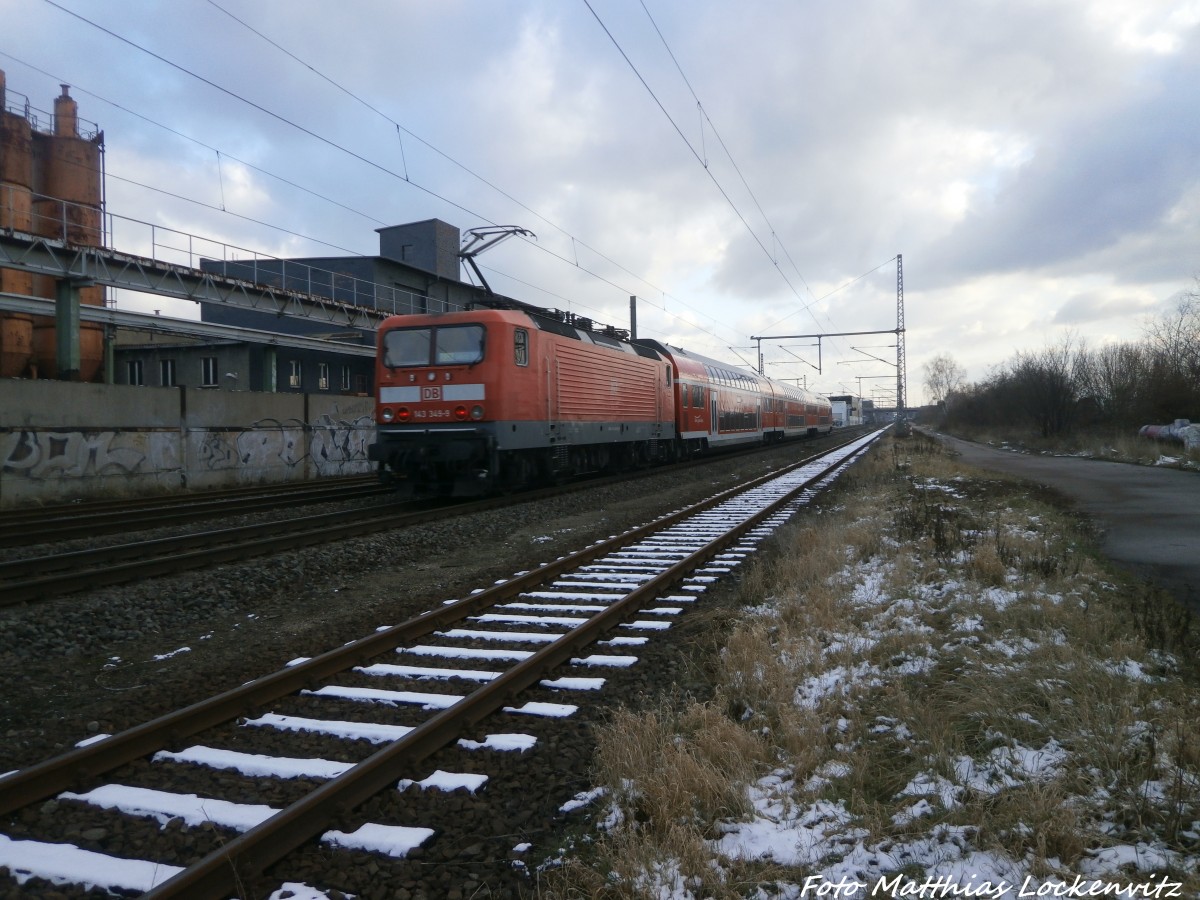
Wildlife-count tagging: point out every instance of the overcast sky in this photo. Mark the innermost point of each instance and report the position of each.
(747, 167)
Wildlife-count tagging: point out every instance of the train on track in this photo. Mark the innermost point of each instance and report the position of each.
(503, 397)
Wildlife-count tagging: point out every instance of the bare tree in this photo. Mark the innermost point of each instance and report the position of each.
(943, 376)
(1047, 386)
(1177, 334)
(1114, 379)
(1067, 386)
(1174, 343)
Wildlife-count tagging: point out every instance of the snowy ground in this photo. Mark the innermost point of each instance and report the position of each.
(1074, 773)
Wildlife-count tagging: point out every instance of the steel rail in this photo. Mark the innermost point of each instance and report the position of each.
(36, 579)
(253, 851)
(87, 507)
(35, 529)
(24, 580)
(75, 767)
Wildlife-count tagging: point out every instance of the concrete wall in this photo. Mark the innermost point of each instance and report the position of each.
(62, 441)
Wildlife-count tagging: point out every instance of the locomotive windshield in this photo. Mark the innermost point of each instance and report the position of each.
(446, 345)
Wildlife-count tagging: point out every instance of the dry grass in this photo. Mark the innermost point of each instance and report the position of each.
(935, 650)
(1118, 446)
(684, 768)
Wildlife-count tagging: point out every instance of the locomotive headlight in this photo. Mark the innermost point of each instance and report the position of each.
(387, 414)
(477, 412)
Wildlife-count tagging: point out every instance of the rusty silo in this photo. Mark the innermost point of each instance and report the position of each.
(67, 206)
(16, 182)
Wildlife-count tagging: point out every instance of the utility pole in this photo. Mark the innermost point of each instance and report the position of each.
(900, 374)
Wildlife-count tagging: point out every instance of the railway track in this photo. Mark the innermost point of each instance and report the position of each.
(34, 579)
(380, 706)
(25, 527)
(43, 577)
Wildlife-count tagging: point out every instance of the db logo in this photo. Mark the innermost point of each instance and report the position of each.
(431, 393)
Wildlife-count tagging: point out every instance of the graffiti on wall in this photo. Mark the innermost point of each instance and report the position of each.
(84, 454)
(45, 461)
(215, 452)
(255, 449)
(339, 446)
(336, 445)
(271, 443)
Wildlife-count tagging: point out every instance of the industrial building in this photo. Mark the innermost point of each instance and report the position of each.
(52, 186)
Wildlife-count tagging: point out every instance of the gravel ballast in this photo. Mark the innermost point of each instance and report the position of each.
(105, 661)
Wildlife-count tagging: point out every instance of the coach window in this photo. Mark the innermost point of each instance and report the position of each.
(521, 347)
(684, 395)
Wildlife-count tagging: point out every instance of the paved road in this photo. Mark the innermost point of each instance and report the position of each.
(1150, 516)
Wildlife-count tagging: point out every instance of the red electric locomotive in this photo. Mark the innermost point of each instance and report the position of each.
(469, 402)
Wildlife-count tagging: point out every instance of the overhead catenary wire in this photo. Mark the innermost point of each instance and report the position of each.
(222, 207)
(704, 117)
(199, 143)
(402, 130)
(699, 157)
(839, 288)
(264, 110)
(383, 168)
(807, 307)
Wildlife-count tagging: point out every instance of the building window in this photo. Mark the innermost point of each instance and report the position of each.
(322, 376)
(166, 372)
(208, 371)
(133, 369)
(294, 377)
(345, 378)
(360, 384)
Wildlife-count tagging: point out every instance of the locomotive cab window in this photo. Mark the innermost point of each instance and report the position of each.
(452, 345)
(458, 345)
(521, 347)
(406, 347)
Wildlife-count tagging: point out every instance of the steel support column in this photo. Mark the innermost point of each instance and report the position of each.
(66, 328)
